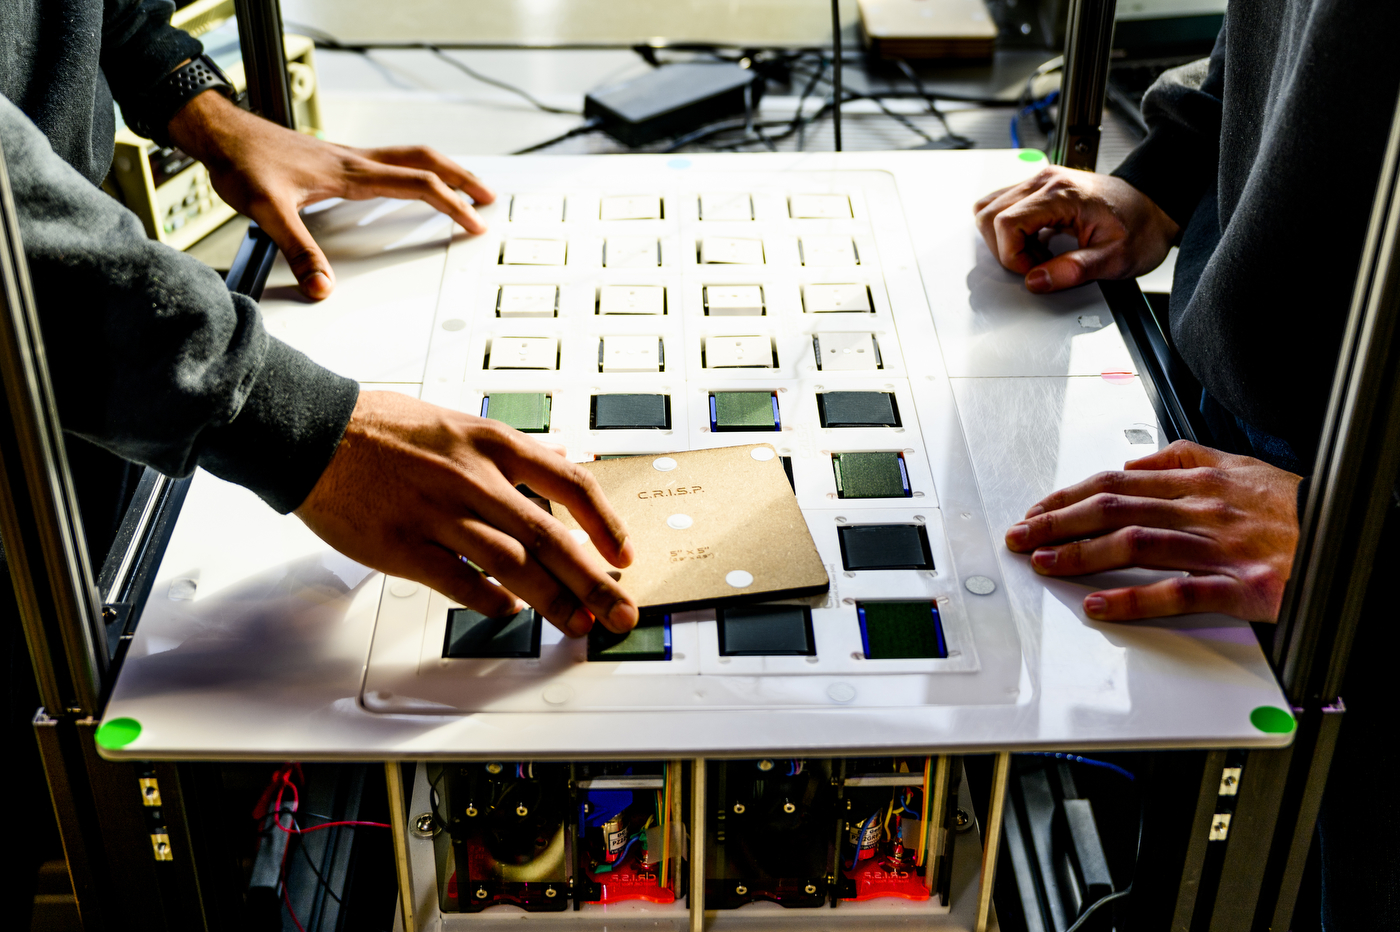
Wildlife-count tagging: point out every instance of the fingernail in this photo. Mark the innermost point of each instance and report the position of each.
(1044, 559)
(626, 552)
(1094, 605)
(1035, 510)
(1017, 533)
(622, 616)
(1038, 280)
(317, 284)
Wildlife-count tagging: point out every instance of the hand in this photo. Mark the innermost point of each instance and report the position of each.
(413, 488)
(1231, 521)
(1121, 232)
(269, 173)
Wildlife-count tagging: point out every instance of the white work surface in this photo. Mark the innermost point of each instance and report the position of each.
(260, 642)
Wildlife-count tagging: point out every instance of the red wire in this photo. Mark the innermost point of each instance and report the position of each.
(289, 909)
(317, 828)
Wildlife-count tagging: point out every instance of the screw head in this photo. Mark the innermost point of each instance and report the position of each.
(962, 820)
(493, 767)
(423, 825)
(765, 765)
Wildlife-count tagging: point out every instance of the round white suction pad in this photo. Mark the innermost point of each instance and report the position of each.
(680, 522)
(739, 579)
(663, 463)
(762, 454)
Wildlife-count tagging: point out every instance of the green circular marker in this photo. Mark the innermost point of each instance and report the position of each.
(118, 733)
(1030, 155)
(1272, 720)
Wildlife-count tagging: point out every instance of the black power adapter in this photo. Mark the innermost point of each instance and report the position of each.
(672, 100)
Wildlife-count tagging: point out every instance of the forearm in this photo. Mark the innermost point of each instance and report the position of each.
(150, 355)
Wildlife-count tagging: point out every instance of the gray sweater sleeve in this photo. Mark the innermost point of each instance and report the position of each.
(1177, 162)
(150, 355)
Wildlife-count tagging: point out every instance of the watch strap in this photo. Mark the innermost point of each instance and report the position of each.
(155, 108)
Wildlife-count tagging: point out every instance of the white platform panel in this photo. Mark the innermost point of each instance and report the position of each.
(258, 641)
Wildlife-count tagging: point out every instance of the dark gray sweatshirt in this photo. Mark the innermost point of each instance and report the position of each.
(151, 356)
(1269, 159)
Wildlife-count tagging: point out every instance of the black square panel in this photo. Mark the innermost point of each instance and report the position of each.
(650, 640)
(765, 631)
(472, 634)
(857, 409)
(630, 412)
(901, 630)
(885, 547)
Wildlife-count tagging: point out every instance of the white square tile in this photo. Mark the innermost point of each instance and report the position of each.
(818, 251)
(632, 299)
(537, 208)
(726, 207)
(731, 250)
(535, 252)
(731, 352)
(827, 299)
(820, 207)
(734, 300)
(524, 353)
(631, 252)
(527, 301)
(631, 353)
(846, 352)
(631, 207)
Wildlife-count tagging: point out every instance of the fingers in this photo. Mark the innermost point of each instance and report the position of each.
(1070, 270)
(1150, 548)
(1178, 596)
(449, 574)
(508, 560)
(426, 159)
(308, 262)
(550, 544)
(1142, 484)
(575, 488)
(1095, 515)
(382, 180)
(1180, 454)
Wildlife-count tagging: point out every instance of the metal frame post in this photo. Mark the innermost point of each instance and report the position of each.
(265, 59)
(1088, 42)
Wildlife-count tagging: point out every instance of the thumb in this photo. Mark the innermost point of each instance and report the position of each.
(309, 264)
(1068, 270)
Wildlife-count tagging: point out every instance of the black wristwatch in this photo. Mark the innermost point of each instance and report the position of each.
(155, 108)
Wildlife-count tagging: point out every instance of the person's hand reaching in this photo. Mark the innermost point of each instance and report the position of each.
(1122, 233)
(414, 488)
(269, 173)
(1230, 521)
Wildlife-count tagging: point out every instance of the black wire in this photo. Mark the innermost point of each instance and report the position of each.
(836, 68)
(495, 82)
(587, 126)
(913, 77)
(312, 864)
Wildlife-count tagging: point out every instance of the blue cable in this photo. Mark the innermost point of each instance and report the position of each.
(1060, 755)
(1041, 104)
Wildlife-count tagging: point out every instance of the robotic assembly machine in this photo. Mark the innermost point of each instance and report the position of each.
(738, 764)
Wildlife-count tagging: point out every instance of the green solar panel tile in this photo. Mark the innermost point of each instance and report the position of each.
(901, 630)
(870, 475)
(525, 411)
(743, 411)
(650, 640)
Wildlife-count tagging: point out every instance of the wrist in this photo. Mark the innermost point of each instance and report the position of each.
(202, 127)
